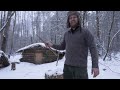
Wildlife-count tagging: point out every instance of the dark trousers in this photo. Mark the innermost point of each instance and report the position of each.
(72, 72)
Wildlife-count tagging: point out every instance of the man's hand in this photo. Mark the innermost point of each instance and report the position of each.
(95, 72)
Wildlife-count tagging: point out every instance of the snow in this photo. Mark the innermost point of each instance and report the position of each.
(32, 45)
(1, 52)
(24, 70)
(54, 72)
(37, 44)
(15, 58)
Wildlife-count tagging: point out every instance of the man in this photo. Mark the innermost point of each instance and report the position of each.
(76, 42)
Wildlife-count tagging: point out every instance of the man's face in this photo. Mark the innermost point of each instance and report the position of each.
(73, 20)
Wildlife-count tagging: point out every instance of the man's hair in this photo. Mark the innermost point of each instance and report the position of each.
(73, 13)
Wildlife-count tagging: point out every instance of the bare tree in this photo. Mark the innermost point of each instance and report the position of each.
(84, 17)
(97, 25)
(12, 39)
(5, 29)
(109, 36)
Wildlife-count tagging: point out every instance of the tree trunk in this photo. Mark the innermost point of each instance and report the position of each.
(11, 48)
(97, 24)
(109, 36)
(84, 16)
(5, 31)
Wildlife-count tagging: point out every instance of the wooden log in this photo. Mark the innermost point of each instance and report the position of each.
(13, 66)
(53, 77)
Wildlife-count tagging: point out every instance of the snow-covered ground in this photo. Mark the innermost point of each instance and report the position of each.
(24, 70)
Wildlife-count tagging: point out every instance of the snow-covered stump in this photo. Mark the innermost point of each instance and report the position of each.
(54, 74)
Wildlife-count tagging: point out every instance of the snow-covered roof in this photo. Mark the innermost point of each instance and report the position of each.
(34, 45)
(1, 52)
(31, 46)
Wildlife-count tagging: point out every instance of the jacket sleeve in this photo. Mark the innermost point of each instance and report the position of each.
(92, 47)
(61, 46)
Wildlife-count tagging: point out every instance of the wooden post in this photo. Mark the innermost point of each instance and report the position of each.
(13, 66)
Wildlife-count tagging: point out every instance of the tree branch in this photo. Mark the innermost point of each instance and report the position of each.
(6, 22)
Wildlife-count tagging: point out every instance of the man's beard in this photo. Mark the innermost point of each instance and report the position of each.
(74, 26)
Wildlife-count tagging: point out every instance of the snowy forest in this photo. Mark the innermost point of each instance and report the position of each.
(21, 28)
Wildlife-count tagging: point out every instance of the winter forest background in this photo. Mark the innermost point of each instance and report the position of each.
(22, 28)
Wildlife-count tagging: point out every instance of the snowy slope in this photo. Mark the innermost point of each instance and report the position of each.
(24, 70)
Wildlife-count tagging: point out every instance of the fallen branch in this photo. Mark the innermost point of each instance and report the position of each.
(109, 68)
